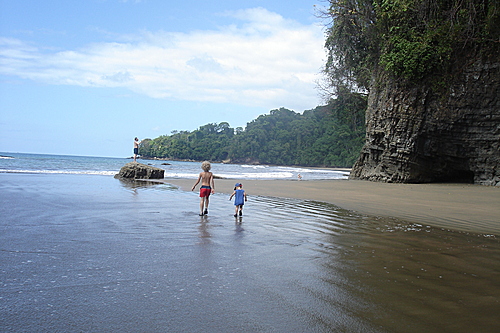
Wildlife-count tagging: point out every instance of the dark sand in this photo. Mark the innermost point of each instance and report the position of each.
(464, 207)
(83, 253)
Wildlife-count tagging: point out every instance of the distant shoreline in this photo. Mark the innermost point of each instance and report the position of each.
(241, 163)
(461, 207)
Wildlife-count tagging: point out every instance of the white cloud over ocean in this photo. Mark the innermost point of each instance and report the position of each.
(263, 60)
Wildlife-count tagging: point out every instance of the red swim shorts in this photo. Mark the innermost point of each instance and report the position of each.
(205, 191)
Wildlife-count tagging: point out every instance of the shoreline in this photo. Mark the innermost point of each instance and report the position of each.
(242, 163)
(461, 207)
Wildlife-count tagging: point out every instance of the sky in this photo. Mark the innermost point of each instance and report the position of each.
(86, 77)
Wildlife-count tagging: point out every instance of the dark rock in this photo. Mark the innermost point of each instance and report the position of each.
(134, 170)
(416, 135)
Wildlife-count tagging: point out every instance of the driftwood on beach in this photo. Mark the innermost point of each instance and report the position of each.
(134, 170)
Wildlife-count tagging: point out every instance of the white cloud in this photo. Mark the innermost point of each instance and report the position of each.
(265, 60)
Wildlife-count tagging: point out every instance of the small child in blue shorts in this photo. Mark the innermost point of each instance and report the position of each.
(239, 198)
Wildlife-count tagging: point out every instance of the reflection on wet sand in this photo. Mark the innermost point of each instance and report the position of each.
(409, 277)
(203, 230)
(86, 254)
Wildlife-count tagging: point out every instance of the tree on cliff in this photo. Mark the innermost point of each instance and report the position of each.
(411, 39)
(431, 68)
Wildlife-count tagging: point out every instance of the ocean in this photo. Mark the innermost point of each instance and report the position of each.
(81, 251)
(60, 164)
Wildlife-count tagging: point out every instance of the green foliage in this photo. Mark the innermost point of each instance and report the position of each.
(330, 135)
(412, 39)
(352, 43)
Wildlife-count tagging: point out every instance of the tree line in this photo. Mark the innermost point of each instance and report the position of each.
(329, 136)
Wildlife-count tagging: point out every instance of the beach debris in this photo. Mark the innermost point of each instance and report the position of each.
(135, 170)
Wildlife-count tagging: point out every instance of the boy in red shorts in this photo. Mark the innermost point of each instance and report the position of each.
(207, 186)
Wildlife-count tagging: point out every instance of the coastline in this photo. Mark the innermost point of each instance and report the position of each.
(461, 207)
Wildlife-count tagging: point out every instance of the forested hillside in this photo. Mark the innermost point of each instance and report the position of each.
(330, 135)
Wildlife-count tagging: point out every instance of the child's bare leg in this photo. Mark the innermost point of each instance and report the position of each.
(201, 205)
(206, 205)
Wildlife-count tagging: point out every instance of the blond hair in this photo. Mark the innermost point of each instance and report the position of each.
(206, 166)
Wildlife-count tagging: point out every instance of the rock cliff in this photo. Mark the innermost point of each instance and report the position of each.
(134, 170)
(417, 135)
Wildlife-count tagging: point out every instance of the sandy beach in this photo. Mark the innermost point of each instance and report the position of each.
(463, 207)
(93, 253)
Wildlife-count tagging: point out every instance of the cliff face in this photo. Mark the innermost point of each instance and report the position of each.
(415, 135)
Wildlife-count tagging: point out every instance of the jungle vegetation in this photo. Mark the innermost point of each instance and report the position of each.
(330, 135)
(418, 41)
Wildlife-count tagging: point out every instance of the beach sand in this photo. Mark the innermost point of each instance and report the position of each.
(462, 207)
(93, 253)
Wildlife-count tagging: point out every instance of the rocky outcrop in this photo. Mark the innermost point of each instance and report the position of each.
(134, 170)
(415, 135)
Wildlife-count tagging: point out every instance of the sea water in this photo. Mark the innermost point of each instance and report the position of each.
(90, 253)
(61, 164)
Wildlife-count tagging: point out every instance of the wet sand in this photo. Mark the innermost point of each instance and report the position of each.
(464, 207)
(82, 253)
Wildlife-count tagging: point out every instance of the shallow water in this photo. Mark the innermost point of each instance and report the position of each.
(92, 253)
(86, 165)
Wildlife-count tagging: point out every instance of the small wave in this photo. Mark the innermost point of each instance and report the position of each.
(307, 170)
(266, 175)
(254, 166)
(255, 175)
(6, 157)
(69, 172)
(263, 175)
(180, 175)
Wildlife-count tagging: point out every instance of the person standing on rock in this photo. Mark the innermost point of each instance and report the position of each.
(136, 148)
(207, 186)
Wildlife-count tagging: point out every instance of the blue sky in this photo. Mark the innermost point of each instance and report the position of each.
(86, 77)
